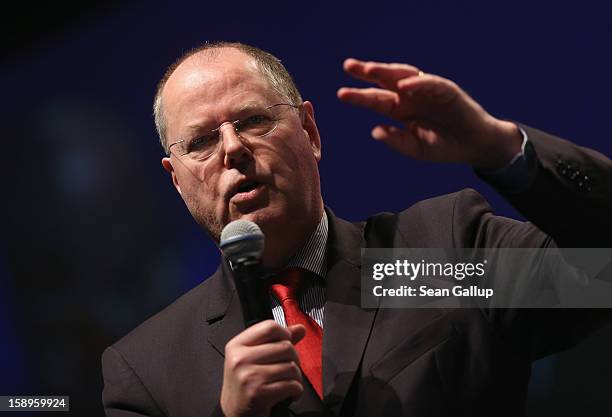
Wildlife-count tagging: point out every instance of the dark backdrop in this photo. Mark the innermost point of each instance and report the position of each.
(95, 239)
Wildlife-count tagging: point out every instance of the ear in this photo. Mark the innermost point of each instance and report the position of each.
(310, 128)
(167, 164)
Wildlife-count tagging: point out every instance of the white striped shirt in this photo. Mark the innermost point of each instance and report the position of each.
(312, 257)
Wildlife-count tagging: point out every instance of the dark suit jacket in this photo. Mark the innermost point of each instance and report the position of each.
(413, 362)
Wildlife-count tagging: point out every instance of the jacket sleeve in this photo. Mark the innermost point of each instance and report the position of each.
(569, 205)
(571, 196)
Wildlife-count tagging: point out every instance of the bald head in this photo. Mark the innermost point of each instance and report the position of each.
(268, 67)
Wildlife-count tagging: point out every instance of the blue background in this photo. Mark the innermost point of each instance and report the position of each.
(94, 237)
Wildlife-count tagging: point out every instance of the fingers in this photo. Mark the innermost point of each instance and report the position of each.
(278, 372)
(276, 392)
(269, 374)
(263, 343)
(437, 89)
(417, 141)
(264, 332)
(274, 352)
(379, 100)
(403, 141)
(441, 121)
(399, 82)
(257, 388)
(261, 368)
(402, 79)
(384, 74)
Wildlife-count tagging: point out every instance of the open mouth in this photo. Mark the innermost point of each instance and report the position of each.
(247, 186)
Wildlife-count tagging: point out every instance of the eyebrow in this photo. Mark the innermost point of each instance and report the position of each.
(244, 108)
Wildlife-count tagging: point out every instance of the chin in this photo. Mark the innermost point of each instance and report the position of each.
(266, 218)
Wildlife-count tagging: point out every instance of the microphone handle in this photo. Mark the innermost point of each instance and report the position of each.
(253, 291)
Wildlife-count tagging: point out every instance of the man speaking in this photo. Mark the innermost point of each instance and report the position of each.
(241, 144)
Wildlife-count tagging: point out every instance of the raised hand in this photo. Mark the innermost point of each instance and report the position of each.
(261, 369)
(440, 121)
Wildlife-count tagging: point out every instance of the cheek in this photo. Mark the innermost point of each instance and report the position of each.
(293, 169)
(198, 195)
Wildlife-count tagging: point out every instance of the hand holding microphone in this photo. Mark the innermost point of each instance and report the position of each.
(261, 367)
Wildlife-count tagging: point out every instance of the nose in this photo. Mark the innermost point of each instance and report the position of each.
(235, 150)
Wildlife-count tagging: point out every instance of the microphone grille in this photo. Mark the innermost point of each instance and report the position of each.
(239, 228)
(241, 240)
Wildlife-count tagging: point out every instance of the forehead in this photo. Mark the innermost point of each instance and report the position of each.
(212, 85)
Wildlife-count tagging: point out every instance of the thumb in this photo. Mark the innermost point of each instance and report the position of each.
(298, 332)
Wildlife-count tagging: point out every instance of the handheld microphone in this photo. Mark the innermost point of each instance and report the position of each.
(242, 242)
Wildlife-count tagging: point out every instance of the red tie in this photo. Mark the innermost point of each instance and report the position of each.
(309, 349)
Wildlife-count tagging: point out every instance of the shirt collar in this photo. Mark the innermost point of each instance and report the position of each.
(312, 256)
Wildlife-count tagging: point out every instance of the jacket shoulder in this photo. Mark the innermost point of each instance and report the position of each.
(427, 223)
(170, 323)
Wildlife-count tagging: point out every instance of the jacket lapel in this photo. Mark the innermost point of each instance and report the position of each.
(224, 314)
(347, 326)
